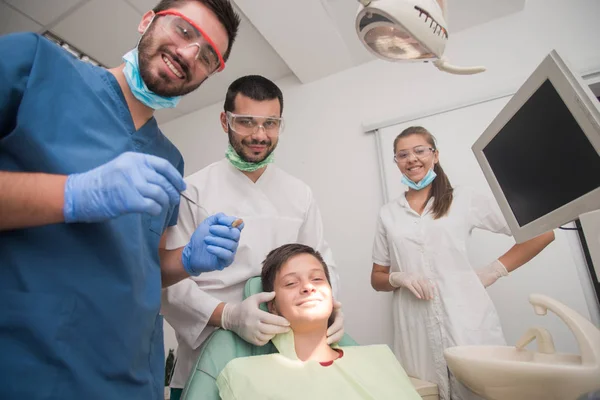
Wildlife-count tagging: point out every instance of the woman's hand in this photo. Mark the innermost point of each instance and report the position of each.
(422, 287)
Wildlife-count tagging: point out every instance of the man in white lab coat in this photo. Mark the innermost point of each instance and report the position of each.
(276, 207)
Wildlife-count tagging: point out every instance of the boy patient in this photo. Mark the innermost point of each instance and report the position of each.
(306, 365)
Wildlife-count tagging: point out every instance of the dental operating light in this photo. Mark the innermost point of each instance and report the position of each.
(407, 30)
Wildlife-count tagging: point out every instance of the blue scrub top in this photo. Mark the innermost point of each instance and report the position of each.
(79, 303)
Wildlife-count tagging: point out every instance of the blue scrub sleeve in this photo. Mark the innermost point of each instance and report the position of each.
(17, 53)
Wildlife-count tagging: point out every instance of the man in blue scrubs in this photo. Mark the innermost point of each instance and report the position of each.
(88, 184)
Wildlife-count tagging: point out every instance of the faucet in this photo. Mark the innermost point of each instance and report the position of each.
(586, 334)
(542, 336)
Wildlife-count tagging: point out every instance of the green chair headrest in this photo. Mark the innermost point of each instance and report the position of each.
(254, 286)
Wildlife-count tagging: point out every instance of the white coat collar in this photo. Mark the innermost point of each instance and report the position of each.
(269, 170)
(404, 203)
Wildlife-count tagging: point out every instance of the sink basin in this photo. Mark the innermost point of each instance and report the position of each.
(515, 373)
(496, 372)
(504, 354)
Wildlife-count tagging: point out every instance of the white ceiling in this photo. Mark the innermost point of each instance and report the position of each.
(308, 38)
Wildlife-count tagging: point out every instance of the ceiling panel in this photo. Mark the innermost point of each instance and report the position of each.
(107, 29)
(44, 11)
(14, 21)
(303, 33)
(143, 5)
(103, 29)
(343, 15)
(465, 14)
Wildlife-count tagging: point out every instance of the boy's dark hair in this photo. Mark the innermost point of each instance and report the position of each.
(255, 87)
(276, 258)
(222, 9)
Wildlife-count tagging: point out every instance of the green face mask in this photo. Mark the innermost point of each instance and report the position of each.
(235, 159)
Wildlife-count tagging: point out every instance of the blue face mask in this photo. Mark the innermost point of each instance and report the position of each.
(138, 86)
(423, 183)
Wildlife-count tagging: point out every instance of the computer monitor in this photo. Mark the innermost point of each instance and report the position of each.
(541, 154)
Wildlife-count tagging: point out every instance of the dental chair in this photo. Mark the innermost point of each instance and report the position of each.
(223, 346)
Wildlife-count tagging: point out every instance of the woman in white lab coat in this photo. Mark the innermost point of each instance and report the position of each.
(419, 252)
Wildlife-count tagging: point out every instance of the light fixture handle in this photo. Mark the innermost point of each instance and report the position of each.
(443, 65)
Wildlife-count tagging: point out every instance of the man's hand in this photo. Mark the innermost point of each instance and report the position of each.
(212, 246)
(336, 331)
(250, 322)
(131, 183)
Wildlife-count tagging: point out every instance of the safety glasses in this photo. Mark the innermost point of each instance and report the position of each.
(421, 152)
(250, 124)
(185, 33)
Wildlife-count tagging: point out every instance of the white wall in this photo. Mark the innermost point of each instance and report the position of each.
(325, 146)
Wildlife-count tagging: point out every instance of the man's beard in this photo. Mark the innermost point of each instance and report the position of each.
(159, 84)
(239, 148)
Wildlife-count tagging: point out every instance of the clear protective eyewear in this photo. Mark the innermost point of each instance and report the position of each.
(185, 33)
(249, 124)
(421, 152)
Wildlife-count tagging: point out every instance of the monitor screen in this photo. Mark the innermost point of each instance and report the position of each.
(541, 158)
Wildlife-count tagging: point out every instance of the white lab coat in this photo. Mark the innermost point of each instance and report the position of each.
(276, 210)
(462, 312)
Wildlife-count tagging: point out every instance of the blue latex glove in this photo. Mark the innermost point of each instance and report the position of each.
(213, 245)
(131, 183)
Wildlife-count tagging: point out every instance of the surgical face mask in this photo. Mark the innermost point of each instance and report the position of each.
(423, 183)
(138, 86)
(235, 159)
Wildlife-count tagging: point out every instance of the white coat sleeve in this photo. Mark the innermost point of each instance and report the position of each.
(311, 234)
(484, 213)
(185, 306)
(381, 251)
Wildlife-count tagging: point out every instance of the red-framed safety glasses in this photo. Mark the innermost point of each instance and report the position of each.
(185, 32)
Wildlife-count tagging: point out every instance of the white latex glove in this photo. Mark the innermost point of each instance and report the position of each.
(490, 274)
(336, 330)
(250, 322)
(420, 286)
